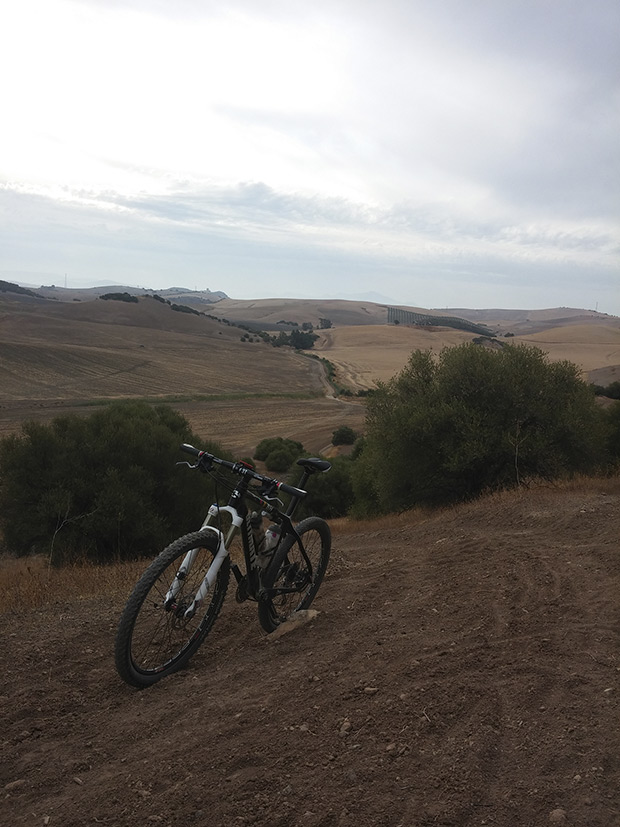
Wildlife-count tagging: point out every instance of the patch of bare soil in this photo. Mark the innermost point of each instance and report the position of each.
(462, 670)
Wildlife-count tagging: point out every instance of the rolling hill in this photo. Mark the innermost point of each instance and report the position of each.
(81, 350)
(60, 355)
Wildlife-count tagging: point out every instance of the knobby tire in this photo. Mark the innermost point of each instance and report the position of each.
(288, 569)
(152, 641)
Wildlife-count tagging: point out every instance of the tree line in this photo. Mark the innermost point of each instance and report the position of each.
(446, 429)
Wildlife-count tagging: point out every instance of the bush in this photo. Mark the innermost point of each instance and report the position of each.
(278, 453)
(611, 391)
(279, 460)
(447, 429)
(183, 308)
(612, 417)
(103, 487)
(119, 297)
(331, 494)
(266, 446)
(344, 435)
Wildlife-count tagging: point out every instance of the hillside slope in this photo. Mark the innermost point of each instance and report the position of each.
(81, 350)
(363, 355)
(463, 670)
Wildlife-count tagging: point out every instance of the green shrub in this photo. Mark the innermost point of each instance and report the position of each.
(119, 297)
(447, 428)
(279, 460)
(103, 487)
(344, 435)
(266, 446)
(612, 417)
(611, 391)
(183, 308)
(331, 494)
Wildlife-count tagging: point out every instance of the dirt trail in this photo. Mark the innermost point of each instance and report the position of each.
(462, 671)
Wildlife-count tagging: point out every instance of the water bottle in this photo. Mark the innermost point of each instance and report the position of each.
(256, 521)
(272, 535)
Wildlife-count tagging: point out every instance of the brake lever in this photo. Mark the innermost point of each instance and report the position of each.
(265, 492)
(272, 499)
(189, 464)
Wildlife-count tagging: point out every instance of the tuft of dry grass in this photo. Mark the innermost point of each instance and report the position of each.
(413, 516)
(29, 583)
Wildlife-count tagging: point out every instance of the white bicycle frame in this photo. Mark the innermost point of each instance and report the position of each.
(222, 551)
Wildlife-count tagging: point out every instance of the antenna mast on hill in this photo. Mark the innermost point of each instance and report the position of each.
(65, 281)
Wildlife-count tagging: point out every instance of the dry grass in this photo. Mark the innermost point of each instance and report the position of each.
(94, 350)
(362, 355)
(365, 354)
(30, 583)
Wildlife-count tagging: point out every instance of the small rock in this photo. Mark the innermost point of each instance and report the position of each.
(371, 690)
(15, 785)
(557, 816)
(345, 728)
(293, 622)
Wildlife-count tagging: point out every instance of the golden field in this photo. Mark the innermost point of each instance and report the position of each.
(63, 356)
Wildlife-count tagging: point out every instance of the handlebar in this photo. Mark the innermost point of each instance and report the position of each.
(241, 469)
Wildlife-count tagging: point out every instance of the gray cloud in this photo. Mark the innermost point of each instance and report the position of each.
(153, 245)
(471, 151)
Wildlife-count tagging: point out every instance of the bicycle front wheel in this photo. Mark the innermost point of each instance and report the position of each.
(292, 582)
(154, 637)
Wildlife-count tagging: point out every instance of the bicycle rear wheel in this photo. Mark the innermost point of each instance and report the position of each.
(154, 639)
(289, 572)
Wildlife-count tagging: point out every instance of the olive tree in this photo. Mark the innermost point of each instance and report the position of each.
(471, 419)
(105, 486)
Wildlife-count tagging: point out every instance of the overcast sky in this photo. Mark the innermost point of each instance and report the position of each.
(441, 153)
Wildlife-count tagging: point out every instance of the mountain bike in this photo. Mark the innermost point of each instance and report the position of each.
(178, 598)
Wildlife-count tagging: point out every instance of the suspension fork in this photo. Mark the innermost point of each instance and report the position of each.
(212, 571)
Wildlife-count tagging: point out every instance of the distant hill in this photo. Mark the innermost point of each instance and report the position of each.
(109, 349)
(370, 308)
(270, 313)
(73, 345)
(68, 294)
(523, 322)
(9, 287)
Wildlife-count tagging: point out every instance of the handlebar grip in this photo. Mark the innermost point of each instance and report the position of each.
(290, 489)
(189, 449)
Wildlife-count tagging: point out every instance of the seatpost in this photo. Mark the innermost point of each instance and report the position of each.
(301, 484)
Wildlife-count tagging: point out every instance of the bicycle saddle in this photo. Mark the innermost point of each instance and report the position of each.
(313, 464)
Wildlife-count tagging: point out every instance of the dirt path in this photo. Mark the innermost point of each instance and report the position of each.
(462, 671)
